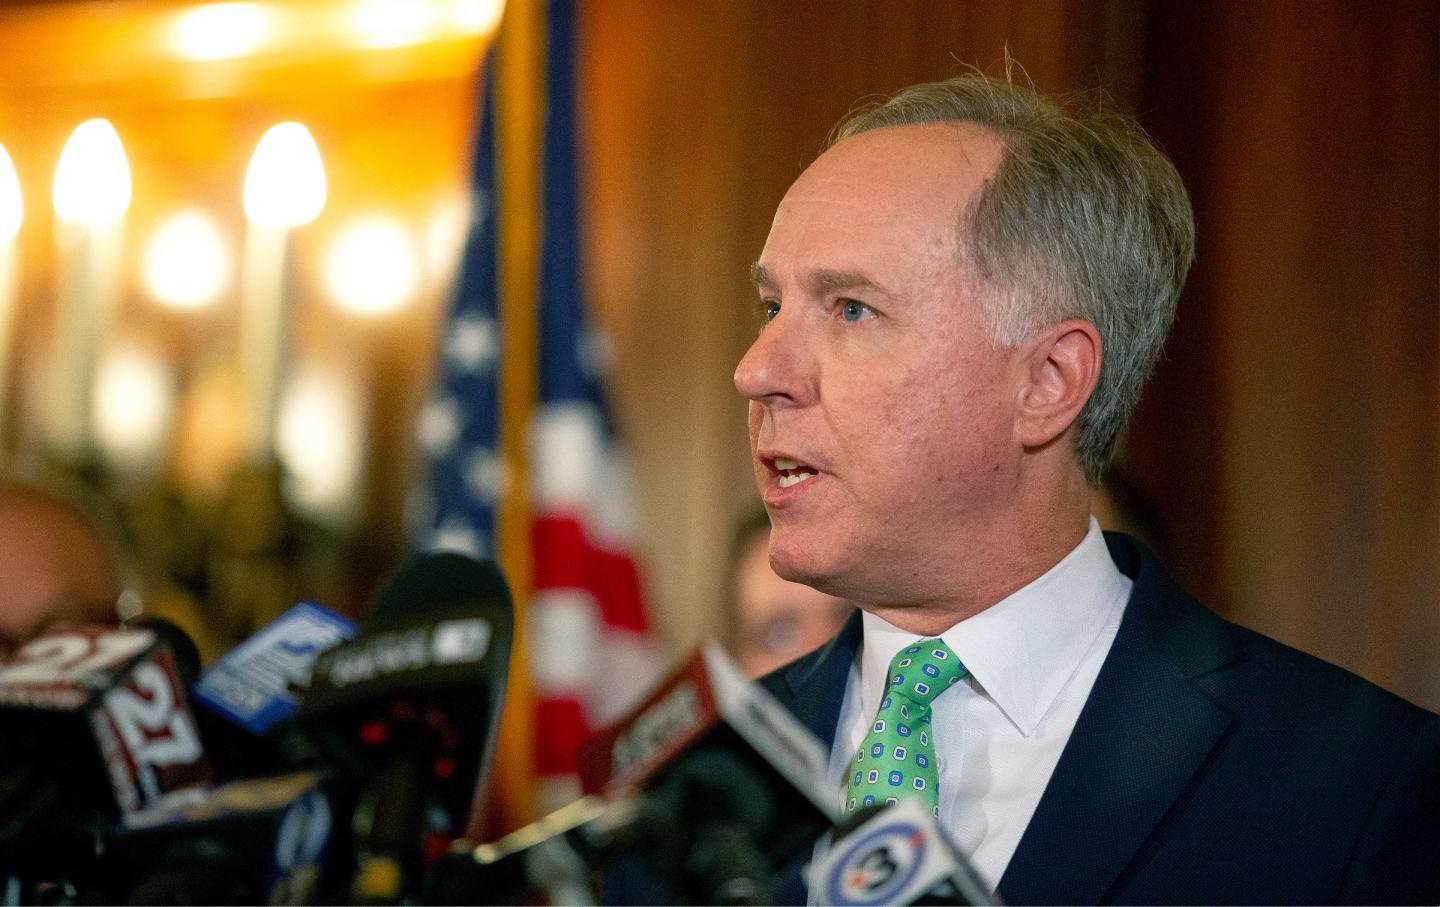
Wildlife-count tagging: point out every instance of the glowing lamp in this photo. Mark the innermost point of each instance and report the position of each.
(219, 31)
(391, 23)
(320, 439)
(12, 206)
(372, 267)
(134, 403)
(185, 264)
(285, 185)
(478, 17)
(92, 180)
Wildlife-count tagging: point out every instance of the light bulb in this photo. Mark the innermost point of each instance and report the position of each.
(134, 403)
(185, 264)
(391, 23)
(478, 17)
(92, 180)
(219, 31)
(320, 439)
(12, 206)
(285, 185)
(371, 267)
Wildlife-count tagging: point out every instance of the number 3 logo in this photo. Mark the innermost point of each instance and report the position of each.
(876, 869)
(875, 865)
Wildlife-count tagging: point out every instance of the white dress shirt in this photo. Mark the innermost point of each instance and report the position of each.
(1033, 658)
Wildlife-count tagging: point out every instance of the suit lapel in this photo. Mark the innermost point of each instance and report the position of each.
(812, 689)
(1142, 735)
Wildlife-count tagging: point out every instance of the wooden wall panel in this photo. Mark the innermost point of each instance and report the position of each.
(658, 87)
(1309, 334)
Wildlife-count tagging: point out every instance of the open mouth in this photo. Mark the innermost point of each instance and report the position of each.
(792, 472)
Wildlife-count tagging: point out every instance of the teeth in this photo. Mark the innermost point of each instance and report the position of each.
(782, 463)
(796, 479)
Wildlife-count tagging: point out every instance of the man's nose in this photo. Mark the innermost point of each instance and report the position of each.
(774, 368)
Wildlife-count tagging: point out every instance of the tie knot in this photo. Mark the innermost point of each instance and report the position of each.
(922, 671)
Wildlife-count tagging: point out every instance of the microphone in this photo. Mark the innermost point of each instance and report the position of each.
(728, 767)
(99, 726)
(252, 684)
(249, 694)
(124, 688)
(412, 704)
(701, 820)
(895, 854)
(256, 841)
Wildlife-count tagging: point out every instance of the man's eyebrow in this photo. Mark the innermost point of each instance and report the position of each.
(823, 280)
(829, 280)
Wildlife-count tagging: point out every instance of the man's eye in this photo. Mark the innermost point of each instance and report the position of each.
(851, 310)
(771, 308)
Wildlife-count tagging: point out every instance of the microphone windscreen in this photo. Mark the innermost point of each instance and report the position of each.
(434, 581)
(187, 654)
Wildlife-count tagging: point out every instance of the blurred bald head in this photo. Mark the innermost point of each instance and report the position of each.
(56, 565)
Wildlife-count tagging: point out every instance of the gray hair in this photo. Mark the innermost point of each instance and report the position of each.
(1084, 218)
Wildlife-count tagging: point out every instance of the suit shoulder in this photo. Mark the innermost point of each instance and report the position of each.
(1270, 677)
(1246, 671)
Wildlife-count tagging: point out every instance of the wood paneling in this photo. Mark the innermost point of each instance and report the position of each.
(1314, 140)
(659, 90)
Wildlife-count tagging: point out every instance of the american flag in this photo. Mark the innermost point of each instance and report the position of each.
(589, 646)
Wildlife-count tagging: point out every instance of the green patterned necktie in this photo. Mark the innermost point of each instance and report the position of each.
(897, 758)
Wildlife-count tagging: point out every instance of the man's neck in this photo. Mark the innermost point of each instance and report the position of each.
(1007, 564)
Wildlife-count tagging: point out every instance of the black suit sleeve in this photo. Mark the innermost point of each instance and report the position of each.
(1396, 859)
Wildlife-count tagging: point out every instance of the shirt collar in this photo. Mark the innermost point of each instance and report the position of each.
(1022, 650)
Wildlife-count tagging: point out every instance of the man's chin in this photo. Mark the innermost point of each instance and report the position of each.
(806, 571)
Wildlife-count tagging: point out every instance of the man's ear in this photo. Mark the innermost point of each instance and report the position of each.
(1062, 366)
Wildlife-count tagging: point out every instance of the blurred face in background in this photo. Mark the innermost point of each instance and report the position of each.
(778, 620)
(53, 568)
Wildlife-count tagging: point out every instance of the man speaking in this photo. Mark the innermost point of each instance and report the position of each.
(962, 298)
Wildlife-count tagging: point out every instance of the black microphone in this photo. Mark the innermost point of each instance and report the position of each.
(255, 841)
(697, 827)
(412, 703)
(894, 854)
(270, 837)
(98, 726)
(698, 796)
(728, 785)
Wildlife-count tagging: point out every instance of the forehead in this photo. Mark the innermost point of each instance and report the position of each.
(895, 191)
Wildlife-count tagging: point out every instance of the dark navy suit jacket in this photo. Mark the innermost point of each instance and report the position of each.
(1210, 765)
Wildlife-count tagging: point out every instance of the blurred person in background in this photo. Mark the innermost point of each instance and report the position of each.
(67, 556)
(773, 621)
(62, 559)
